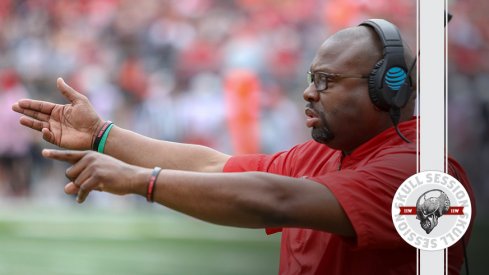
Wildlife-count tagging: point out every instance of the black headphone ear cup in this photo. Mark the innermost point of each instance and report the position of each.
(373, 91)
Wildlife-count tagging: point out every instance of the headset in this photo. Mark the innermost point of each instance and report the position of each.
(389, 84)
(391, 72)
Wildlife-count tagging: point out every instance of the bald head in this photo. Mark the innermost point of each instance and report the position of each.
(356, 50)
(356, 47)
(359, 47)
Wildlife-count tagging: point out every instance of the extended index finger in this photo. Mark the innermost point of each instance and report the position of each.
(64, 155)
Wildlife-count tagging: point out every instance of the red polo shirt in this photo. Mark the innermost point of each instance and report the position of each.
(364, 182)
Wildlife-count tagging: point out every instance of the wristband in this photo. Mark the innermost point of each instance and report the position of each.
(101, 146)
(100, 134)
(152, 182)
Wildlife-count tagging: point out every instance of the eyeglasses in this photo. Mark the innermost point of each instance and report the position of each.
(321, 79)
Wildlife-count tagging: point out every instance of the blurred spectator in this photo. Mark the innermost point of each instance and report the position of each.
(15, 142)
(200, 111)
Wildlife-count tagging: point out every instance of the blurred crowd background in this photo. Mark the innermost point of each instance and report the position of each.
(188, 70)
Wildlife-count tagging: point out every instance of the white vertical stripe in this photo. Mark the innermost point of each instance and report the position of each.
(446, 110)
(446, 89)
(418, 262)
(417, 85)
(432, 106)
(432, 262)
(445, 258)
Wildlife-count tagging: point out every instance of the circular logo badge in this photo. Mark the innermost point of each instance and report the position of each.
(431, 210)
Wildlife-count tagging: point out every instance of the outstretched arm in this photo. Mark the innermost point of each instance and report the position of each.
(142, 151)
(74, 126)
(252, 199)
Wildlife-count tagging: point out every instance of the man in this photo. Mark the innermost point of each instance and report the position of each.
(330, 197)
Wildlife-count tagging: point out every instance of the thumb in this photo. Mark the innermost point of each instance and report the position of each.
(71, 189)
(68, 92)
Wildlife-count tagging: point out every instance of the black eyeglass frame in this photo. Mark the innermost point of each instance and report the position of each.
(311, 78)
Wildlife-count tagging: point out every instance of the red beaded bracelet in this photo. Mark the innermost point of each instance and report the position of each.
(152, 183)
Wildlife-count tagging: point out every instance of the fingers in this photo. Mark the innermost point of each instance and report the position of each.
(86, 183)
(74, 173)
(64, 155)
(86, 187)
(33, 123)
(36, 115)
(83, 180)
(34, 106)
(69, 93)
(82, 194)
(71, 189)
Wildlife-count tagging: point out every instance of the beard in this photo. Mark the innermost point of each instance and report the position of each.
(321, 133)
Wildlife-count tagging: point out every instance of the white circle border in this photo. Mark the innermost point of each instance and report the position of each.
(430, 243)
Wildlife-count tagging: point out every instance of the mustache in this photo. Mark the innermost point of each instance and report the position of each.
(310, 106)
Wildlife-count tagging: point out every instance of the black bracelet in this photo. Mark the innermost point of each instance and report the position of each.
(100, 134)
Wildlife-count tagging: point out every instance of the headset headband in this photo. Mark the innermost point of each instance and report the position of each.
(389, 34)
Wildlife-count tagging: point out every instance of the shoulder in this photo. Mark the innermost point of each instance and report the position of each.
(278, 163)
(403, 154)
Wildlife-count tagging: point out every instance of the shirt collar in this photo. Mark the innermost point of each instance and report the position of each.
(388, 137)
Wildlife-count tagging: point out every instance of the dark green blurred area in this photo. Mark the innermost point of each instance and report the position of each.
(93, 241)
(84, 240)
(477, 248)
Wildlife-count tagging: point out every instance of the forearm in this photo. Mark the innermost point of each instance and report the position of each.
(252, 200)
(142, 151)
(247, 202)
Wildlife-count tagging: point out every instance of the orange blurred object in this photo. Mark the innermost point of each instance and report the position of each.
(242, 89)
